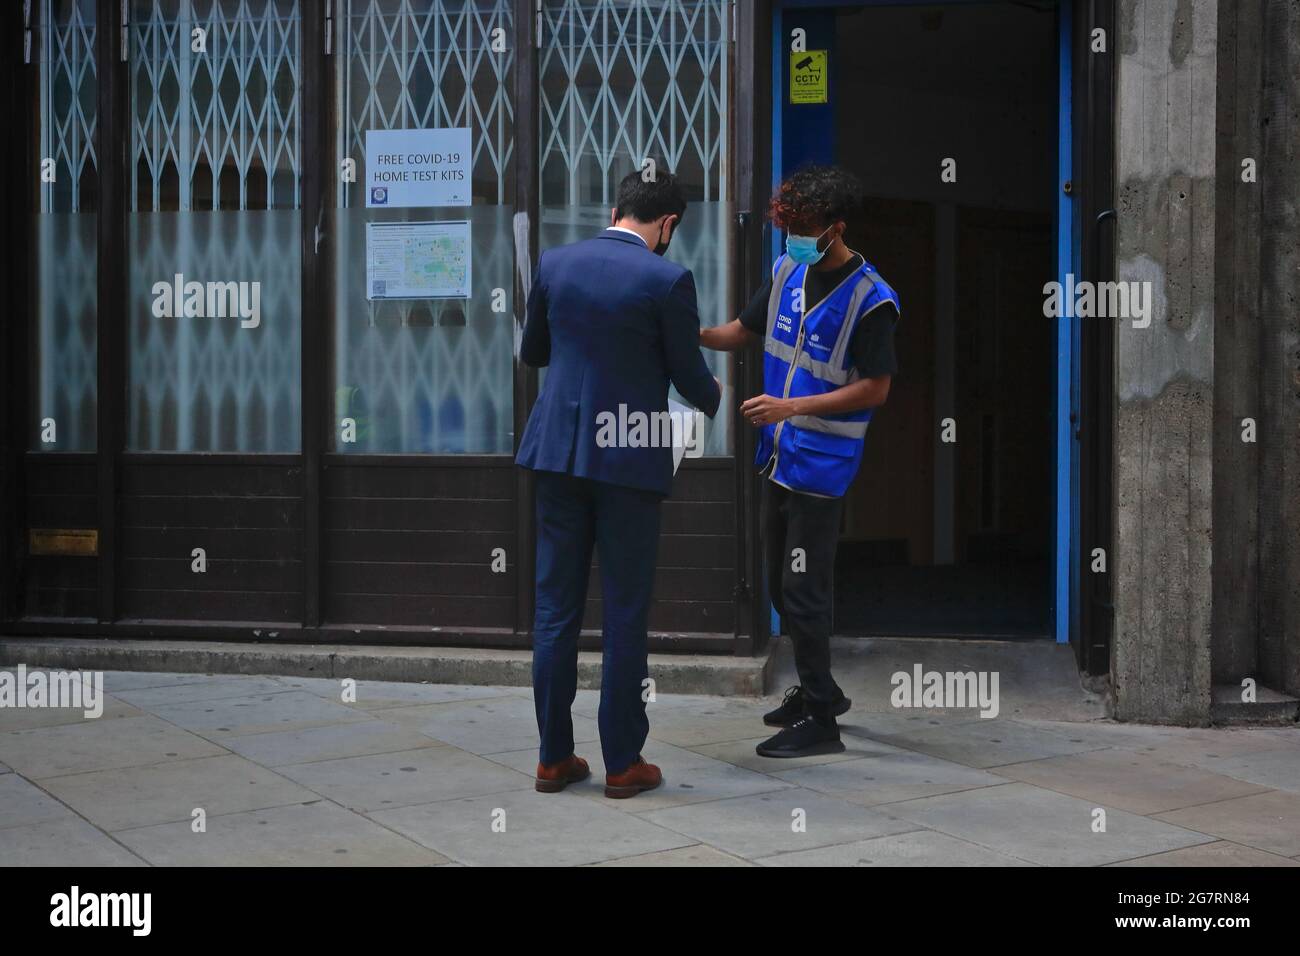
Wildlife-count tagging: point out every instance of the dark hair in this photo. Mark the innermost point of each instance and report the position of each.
(647, 201)
(815, 197)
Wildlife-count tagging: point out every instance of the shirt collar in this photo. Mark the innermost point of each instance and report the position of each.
(628, 231)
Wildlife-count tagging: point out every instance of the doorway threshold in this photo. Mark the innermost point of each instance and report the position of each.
(1038, 679)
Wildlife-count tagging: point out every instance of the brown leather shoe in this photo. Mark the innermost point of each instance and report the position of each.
(636, 778)
(557, 776)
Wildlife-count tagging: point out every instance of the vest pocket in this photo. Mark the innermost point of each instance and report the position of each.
(823, 463)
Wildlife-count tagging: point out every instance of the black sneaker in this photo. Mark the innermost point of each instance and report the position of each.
(804, 738)
(792, 708)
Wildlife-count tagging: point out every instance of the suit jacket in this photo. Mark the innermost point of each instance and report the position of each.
(616, 324)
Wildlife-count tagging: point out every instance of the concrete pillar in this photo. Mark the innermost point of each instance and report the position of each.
(1165, 170)
(1279, 368)
(1237, 390)
(1257, 348)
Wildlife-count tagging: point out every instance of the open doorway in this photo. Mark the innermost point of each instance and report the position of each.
(954, 537)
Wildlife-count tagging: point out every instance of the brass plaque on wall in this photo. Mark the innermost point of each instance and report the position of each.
(76, 541)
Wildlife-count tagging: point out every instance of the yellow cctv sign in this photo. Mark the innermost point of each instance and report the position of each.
(808, 76)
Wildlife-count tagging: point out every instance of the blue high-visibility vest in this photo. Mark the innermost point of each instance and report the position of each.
(807, 353)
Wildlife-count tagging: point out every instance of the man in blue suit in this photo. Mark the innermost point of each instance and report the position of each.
(616, 323)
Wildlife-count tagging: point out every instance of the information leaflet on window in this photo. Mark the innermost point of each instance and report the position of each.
(417, 260)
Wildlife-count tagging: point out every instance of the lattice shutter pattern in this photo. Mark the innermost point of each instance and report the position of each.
(426, 65)
(218, 129)
(626, 80)
(65, 227)
(629, 79)
(428, 376)
(216, 188)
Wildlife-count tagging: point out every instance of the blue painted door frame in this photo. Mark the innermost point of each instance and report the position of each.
(1065, 604)
(807, 134)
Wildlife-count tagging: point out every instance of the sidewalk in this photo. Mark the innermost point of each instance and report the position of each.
(416, 774)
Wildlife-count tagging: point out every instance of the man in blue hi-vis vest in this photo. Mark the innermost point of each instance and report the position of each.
(827, 319)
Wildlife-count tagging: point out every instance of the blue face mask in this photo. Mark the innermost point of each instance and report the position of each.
(803, 249)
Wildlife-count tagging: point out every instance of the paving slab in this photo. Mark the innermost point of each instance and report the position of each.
(234, 716)
(763, 824)
(384, 781)
(374, 695)
(134, 680)
(1277, 769)
(588, 702)
(490, 726)
(1267, 821)
(70, 841)
(169, 792)
(214, 688)
(1192, 746)
(667, 757)
(689, 720)
(22, 803)
(29, 718)
(683, 731)
(986, 743)
(718, 781)
(1130, 780)
(912, 788)
(100, 745)
(741, 753)
(918, 848)
(555, 829)
(1289, 735)
(689, 777)
(330, 742)
(1219, 853)
(876, 725)
(697, 855)
(1042, 826)
(316, 834)
(889, 778)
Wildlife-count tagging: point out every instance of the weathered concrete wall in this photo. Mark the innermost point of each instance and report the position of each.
(1165, 169)
(1256, 631)
(1279, 312)
(1237, 345)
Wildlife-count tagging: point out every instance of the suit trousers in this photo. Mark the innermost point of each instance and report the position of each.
(575, 515)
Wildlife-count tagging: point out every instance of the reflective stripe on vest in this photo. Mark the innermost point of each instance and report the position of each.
(832, 371)
(829, 426)
(807, 453)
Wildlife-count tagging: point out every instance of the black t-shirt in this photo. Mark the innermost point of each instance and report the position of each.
(872, 345)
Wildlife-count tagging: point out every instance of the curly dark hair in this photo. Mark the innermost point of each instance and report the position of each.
(813, 198)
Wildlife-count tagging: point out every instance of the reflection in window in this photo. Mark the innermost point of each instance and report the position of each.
(65, 372)
(626, 80)
(429, 376)
(215, 284)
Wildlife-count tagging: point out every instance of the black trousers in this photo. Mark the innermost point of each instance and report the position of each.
(800, 533)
